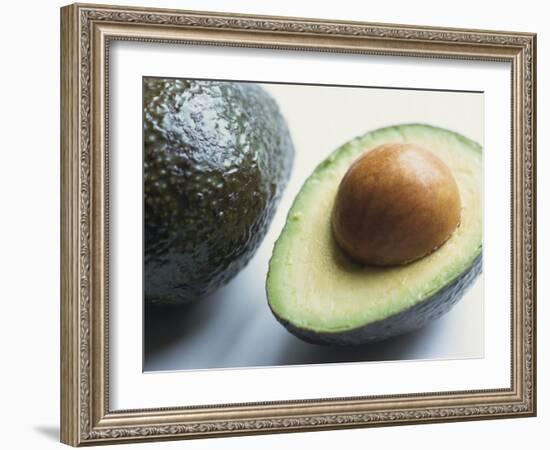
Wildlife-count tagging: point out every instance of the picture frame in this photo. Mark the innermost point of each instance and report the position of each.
(87, 32)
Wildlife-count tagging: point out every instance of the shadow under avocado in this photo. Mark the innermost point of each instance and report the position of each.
(164, 324)
(177, 335)
(296, 351)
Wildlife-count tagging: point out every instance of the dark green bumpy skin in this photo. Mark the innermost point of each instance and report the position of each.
(217, 157)
(409, 320)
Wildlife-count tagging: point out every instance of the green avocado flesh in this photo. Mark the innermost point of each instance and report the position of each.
(320, 295)
(217, 157)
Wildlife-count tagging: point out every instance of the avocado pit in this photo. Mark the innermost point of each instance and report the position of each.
(396, 203)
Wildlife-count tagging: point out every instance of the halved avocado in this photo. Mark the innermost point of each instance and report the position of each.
(322, 296)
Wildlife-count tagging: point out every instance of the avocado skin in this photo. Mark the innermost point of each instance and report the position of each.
(406, 321)
(217, 156)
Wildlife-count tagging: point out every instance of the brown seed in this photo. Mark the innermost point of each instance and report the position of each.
(395, 204)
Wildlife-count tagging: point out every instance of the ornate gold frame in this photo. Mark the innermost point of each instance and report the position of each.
(86, 31)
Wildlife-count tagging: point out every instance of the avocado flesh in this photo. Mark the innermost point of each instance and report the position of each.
(217, 156)
(322, 296)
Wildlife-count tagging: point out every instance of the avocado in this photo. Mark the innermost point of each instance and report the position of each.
(323, 296)
(217, 157)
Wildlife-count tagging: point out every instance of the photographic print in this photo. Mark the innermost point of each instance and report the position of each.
(278, 224)
(290, 224)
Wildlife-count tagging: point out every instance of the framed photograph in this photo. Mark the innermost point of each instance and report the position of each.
(279, 224)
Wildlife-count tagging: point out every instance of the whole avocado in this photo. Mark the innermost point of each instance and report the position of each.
(217, 157)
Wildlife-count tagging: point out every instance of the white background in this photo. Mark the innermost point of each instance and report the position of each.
(29, 176)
